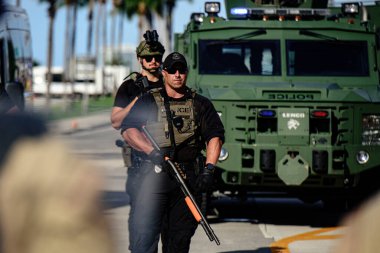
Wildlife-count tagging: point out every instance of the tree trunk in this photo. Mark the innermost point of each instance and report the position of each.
(104, 40)
(97, 34)
(145, 19)
(121, 33)
(113, 33)
(67, 53)
(73, 40)
(90, 18)
(51, 14)
(169, 22)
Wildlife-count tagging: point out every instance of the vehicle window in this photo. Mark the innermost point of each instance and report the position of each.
(327, 58)
(239, 57)
(20, 56)
(55, 77)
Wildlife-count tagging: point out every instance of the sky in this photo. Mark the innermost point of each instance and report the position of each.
(39, 27)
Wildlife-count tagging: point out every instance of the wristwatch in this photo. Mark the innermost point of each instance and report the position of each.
(210, 168)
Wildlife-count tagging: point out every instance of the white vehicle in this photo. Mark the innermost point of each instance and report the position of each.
(88, 80)
(57, 88)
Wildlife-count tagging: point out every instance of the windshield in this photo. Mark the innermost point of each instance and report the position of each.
(260, 57)
(327, 58)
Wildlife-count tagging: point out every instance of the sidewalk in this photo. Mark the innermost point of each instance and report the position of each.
(80, 123)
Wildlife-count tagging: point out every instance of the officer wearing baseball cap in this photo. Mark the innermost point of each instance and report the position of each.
(175, 60)
(183, 124)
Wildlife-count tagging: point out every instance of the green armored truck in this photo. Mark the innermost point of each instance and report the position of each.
(296, 84)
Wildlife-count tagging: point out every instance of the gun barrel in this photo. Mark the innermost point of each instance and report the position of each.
(209, 232)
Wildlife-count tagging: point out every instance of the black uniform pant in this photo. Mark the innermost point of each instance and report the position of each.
(157, 206)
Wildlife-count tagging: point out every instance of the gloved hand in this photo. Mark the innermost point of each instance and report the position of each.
(205, 179)
(156, 158)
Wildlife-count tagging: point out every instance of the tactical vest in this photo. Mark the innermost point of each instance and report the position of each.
(182, 120)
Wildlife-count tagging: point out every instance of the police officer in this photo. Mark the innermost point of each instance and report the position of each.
(149, 54)
(183, 124)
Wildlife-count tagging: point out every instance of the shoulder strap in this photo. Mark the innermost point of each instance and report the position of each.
(133, 75)
(161, 97)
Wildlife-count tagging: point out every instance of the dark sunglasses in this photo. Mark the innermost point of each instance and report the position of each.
(149, 58)
(172, 71)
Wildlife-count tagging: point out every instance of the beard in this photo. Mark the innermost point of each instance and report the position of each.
(151, 70)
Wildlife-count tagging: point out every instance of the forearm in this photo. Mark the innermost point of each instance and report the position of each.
(137, 140)
(118, 114)
(213, 150)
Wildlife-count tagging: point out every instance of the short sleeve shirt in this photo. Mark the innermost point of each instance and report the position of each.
(128, 90)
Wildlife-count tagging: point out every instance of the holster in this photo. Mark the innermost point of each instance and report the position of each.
(126, 152)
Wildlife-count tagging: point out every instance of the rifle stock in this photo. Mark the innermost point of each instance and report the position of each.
(190, 201)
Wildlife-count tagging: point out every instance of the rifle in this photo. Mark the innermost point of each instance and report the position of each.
(189, 199)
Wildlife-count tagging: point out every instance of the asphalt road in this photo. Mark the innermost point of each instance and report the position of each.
(257, 225)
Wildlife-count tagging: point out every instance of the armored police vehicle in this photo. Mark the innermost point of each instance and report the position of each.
(296, 84)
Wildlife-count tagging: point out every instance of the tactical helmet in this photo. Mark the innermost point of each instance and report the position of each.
(150, 46)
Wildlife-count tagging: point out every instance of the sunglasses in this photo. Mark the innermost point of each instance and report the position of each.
(149, 58)
(172, 71)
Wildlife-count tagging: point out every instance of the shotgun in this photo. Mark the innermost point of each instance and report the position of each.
(189, 199)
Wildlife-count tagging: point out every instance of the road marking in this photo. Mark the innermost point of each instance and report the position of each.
(281, 246)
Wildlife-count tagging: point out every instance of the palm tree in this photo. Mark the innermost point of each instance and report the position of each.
(169, 22)
(101, 21)
(142, 9)
(121, 9)
(52, 8)
(90, 17)
(145, 8)
(118, 10)
(71, 27)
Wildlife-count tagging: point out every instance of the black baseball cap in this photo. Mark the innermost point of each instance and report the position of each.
(175, 59)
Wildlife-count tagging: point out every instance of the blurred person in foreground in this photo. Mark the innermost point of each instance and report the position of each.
(183, 124)
(362, 229)
(50, 201)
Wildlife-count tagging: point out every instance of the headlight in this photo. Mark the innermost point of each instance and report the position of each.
(350, 8)
(212, 8)
(223, 154)
(198, 17)
(362, 157)
(371, 130)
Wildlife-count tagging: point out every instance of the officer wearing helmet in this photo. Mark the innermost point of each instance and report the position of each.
(149, 54)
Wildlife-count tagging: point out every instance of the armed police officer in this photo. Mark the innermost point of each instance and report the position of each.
(149, 54)
(183, 123)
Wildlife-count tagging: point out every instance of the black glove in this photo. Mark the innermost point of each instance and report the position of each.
(156, 158)
(205, 179)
